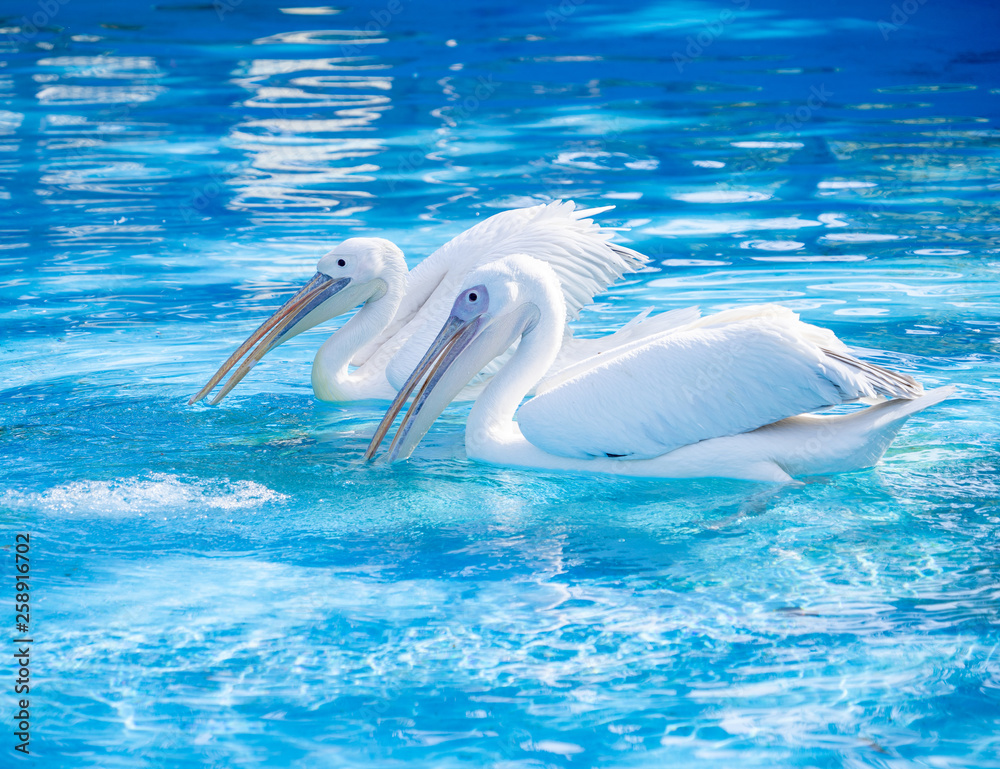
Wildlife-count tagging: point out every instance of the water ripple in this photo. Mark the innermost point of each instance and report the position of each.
(233, 586)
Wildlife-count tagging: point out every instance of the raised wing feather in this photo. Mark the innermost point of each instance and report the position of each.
(557, 233)
(700, 382)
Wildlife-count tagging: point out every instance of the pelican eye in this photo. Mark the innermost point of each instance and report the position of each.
(473, 296)
(341, 263)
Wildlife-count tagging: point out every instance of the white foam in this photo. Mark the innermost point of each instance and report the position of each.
(152, 493)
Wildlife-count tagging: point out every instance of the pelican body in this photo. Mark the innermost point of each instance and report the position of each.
(400, 311)
(725, 395)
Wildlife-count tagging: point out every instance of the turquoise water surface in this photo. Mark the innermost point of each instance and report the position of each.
(232, 587)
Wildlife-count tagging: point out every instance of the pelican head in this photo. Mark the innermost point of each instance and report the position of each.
(357, 271)
(501, 303)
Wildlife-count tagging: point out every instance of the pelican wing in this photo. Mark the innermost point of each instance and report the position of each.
(699, 382)
(557, 233)
(578, 354)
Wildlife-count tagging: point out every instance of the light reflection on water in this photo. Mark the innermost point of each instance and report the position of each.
(234, 581)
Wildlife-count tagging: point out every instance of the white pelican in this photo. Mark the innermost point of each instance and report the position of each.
(724, 395)
(399, 307)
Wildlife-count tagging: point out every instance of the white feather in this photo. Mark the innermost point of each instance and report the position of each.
(580, 252)
(724, 395)
(400, 312)
(720, 375)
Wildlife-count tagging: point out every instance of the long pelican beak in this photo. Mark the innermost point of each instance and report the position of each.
(453, 338)
(457, 354)
(290, 320)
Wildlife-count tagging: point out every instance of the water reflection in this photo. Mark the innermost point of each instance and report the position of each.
(352, 37)
(87, 163)
(103, 67)
(312, 151)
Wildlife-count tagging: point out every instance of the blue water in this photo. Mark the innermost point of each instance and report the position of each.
(232, 587)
